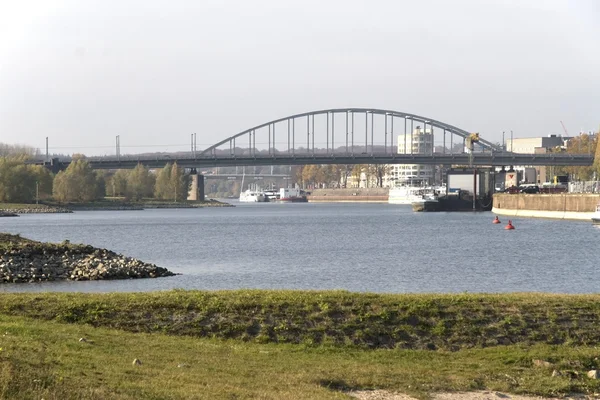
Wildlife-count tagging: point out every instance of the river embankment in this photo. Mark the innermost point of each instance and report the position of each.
(356, 195)
(12, 209)
(9, 209)
(297, 345)
(111, 205)
(573, 206)
(23, 260)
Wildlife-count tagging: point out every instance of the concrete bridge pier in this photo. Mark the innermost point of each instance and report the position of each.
(196, 192)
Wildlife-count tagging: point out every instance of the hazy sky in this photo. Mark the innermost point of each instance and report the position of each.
(154, 71)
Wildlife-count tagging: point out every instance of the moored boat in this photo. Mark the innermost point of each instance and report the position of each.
(410, 194)
(405, 194)
(292, 195)
(252, 196)
(428, 202)
(596, 215)
(272, 195)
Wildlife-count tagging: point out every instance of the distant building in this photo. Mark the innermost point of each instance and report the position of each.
(529, 145)
(535, 145)
(420, 141)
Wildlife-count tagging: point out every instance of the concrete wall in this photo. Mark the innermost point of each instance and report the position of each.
(561, 206)
(373, 195)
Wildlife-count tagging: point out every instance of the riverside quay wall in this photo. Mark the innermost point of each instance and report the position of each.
(560, 206)
(358, 195)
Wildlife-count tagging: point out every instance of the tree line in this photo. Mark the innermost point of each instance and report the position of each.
(582, 144)
(340, 175)
(26, 183)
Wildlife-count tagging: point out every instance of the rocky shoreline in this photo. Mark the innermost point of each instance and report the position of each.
(107, 206)
(23, 260)
(33, 210)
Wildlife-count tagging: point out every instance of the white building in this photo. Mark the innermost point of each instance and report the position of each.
(419, 142)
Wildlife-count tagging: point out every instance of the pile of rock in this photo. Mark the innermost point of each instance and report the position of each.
(47, 262)
(37, 210)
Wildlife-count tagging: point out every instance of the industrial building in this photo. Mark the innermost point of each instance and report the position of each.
(537, 145)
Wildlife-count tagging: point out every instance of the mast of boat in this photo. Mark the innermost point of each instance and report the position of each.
(243, 176)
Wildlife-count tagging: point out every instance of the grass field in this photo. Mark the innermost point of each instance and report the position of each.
(229, 345)
(446, 322)
(47, 360)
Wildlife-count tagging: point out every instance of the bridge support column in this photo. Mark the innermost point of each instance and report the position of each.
(196, 192)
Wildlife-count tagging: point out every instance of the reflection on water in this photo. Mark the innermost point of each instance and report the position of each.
(357, 247)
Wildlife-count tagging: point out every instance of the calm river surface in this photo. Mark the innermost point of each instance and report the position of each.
(357, 247)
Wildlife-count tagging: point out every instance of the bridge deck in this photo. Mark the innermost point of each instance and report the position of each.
(478, 159)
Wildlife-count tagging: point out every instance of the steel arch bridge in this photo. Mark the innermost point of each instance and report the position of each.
(341, 136)
(350, 132)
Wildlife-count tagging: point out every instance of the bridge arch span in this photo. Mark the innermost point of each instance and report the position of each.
(309, 118)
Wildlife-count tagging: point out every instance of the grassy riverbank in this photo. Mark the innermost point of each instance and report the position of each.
(293, 345)
(447, 322)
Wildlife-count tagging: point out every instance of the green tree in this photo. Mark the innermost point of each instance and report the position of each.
(100, 187)
(179, 184)
(582, 144)
(162, 186)
(20, 183)
(78, 183)
(117, 185)
(140, 183)
(44, 179)
(7, 150)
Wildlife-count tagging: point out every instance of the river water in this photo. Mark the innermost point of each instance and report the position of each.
(356, 247)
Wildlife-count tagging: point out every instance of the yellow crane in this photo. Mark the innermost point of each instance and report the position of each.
(471, 140)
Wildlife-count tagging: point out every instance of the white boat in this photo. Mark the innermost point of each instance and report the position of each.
(412, 194)
(596, 215)
(292, 195)
(252, 196)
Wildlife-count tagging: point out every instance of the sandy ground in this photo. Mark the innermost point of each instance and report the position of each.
(385, 395)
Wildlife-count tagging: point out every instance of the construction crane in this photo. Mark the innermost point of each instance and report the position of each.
(564, 128)
(470, 141)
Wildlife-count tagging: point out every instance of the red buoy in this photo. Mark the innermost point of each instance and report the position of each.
(510, 225)
(496, 220)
